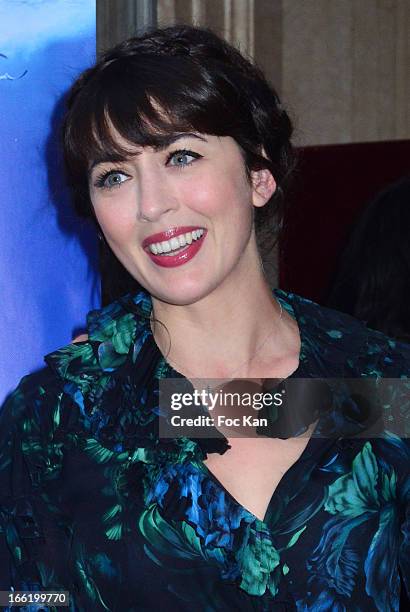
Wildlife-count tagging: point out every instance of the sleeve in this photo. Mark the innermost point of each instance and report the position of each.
(397, 366)
(31, 542)
(390, 359)
(404, 550)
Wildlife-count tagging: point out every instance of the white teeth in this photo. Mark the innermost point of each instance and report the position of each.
(177, 242)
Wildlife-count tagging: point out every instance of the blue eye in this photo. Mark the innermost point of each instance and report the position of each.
(111, 179)
(181, 157)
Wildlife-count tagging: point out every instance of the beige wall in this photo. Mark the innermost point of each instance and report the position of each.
(346, 69)
(341, 66)
(255, 26)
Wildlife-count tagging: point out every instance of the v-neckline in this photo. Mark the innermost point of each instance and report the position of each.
(314, 444)
(276, 494)
(314, 447)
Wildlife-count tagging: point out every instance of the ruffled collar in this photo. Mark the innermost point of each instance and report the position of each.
(113, 376)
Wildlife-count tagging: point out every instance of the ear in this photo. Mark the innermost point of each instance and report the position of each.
(263, 186)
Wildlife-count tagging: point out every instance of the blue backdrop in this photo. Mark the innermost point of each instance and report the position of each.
(48, 258)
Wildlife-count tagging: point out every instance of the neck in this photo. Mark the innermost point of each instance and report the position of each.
(219, 333)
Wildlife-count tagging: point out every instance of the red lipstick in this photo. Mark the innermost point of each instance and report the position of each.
(181, 257)
(168, 234)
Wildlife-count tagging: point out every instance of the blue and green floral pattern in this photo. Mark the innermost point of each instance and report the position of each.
(94, 502)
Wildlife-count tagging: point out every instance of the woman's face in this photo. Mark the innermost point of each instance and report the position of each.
(149, 204)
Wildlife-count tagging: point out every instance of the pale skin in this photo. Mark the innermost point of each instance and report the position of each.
(217, 307)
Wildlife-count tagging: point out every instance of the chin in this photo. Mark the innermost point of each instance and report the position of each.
(181, 293)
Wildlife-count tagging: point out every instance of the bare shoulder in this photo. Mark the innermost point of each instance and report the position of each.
(80, 338)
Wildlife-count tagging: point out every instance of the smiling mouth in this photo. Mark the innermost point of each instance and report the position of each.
(178, 250)
(176, 244)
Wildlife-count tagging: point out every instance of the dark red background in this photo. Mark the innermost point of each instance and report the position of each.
(332, 186)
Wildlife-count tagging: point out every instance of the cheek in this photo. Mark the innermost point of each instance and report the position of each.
(115, 221)
(222, 195)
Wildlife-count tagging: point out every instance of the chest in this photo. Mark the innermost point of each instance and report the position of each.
(251, 470)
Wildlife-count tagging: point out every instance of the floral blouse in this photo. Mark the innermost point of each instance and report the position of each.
(94, 502)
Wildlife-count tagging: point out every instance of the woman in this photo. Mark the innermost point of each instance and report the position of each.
(180, 149)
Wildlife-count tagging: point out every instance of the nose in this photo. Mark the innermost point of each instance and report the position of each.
(153, 199)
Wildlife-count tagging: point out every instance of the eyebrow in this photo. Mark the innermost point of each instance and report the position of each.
(166, 142)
